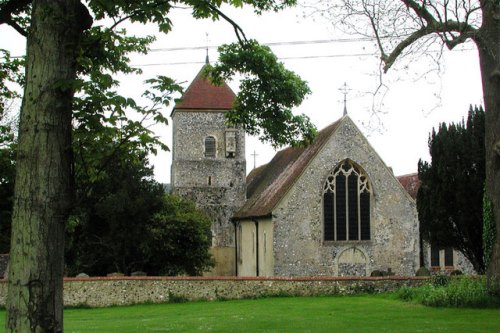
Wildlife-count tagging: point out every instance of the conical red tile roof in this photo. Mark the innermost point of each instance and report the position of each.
(202, 94)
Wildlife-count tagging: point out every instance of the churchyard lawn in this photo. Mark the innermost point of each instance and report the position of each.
(368, 313)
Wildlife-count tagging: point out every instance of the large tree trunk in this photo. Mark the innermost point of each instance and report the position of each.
(43, 181)
(488, 42)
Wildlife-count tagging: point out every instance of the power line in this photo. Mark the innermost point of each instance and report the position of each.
(282, 43)
(281, 58)
(297, 42)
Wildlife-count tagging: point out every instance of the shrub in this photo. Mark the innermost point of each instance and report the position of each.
(459, 291)
(406, 293)
(440, 280)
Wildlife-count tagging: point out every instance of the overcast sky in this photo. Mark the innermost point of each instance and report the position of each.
(416, 100)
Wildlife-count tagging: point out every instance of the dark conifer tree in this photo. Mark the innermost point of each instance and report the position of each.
(449, 200)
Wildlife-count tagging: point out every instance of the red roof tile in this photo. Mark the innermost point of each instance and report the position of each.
(202, 94)
(411, 183)
(268, 184)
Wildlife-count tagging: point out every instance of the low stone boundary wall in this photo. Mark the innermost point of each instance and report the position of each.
(101, 292)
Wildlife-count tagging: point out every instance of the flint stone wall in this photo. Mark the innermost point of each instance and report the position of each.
(103, 292)
(299, 248)
(216, 184)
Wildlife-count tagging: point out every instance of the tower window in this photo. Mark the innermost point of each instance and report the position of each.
(210, 146)
(346, 204)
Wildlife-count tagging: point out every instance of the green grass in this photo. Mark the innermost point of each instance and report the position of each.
(379, 313)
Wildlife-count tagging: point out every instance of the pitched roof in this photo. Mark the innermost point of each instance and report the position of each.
(202, 94)
(268, 184)
(411, 183)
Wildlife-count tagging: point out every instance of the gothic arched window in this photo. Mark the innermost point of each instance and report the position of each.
(346, 204)
(210, 146)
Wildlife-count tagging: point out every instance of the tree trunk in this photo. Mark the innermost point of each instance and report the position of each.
(43, 181)
(488, 42)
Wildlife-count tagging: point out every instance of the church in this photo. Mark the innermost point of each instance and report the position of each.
(332, 208)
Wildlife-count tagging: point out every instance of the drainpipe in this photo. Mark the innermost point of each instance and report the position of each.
(235, 247)
(256, 247)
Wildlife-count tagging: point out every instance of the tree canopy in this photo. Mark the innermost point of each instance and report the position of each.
(450, 198)
(7, 175)
(125, 223)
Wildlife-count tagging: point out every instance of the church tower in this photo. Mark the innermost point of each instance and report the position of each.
(208, 162)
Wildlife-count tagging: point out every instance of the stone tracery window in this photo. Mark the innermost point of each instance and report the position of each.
(346, 204)
(210, 146)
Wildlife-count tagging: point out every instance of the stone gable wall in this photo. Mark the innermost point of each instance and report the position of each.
(299, 248)
(102, 292)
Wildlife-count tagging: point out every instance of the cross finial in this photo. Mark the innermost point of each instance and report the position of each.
(345, 90)
(207, 60)
(254, 158)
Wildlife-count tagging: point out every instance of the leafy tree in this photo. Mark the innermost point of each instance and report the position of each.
(266, 79)
(450, 198)
(179, 239)
(67, 42)
(406, 27)
(121, 220)
(9, 76)
(109, 226)
(7, 175)
(128, 224)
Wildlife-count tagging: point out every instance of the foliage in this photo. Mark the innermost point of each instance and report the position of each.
(267, 94)
(7, 178)
(457, 291)
(105, 122)
(115, 203)
(489, 231)
(449, 200)
(108, 226)
(11, 75)
(440, 280)
(179, 239)
(125, 223)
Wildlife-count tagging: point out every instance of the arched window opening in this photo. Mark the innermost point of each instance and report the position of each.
(346, 204)
(210, 146)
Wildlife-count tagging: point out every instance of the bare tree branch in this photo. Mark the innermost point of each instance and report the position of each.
(445, 29)
(421, 11)
(237, 29)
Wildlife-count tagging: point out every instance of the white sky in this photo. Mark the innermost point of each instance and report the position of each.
(409, 110)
